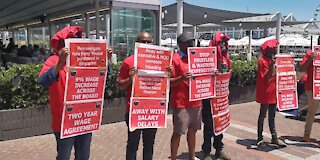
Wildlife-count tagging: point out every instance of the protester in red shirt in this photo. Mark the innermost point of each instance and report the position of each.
(127, 72)
(220, 40)
(53, 76)
(313, 105)
(186, 114)
(266, 90)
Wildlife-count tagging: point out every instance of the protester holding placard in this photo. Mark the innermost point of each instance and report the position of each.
(307, 66)
(127, 71)
(186, 114)
(53, 76)
(221, 42)
(266, 90)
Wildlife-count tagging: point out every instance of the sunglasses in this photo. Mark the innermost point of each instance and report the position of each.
(145, 41)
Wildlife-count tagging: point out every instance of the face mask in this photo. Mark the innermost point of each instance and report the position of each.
(190, 45)
(223, 46)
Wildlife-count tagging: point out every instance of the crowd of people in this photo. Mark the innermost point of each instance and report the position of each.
(187, 115)
(30, 51)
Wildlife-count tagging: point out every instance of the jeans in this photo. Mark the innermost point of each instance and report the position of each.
(208, 130)
(81, 145)
(271, 114)
(148, 136)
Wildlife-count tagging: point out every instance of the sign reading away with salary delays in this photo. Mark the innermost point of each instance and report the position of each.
(316, 73)
(202, 65)
(150, 89)
(85, 85)
(286, 83)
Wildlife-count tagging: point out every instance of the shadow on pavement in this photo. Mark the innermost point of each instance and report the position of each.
(185, 155)
(296, 141)
(251, 144)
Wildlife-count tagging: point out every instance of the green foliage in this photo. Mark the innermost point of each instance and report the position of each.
(241, 57)
(19, 87)
(112, 89)
(243, 73)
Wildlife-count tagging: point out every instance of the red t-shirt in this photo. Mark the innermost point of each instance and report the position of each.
(180, 93)
(265, 88)
(126, 65)
(56, 92)
(308, 85)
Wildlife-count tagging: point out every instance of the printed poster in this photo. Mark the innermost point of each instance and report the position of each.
(81, 118)
(152, 58)
(316, 61)
(202, 60)
(286, 92)
(220, 103)
(316, 82)
(202, 64)
(150, 89)
(148, 113)
(221, 123)
(201, 87)
(222, 84)
(287, 98)
(285, 63)
(316, 73)
(85, 86)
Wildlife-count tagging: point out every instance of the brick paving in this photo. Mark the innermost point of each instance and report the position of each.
(109, 143)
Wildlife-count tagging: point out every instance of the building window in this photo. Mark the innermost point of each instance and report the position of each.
(126, 24)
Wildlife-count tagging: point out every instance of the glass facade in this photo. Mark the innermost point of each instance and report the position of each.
(40, 36)
(126, 24)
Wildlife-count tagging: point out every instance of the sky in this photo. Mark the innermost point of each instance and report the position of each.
(301, 9)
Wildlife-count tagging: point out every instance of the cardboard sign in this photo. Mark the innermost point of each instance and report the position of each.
(148, 86)
(85, 84)
(219, 105)
(316, 82)
(148, 113)
(202, 60)
(222, 84)
(285, 63)
(316, 61)
(81, 118)
(287, 99)
(201, 87)
(86, 53)
(221, 123)
(151, 57)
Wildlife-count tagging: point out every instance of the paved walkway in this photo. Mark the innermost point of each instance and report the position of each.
(109, 143)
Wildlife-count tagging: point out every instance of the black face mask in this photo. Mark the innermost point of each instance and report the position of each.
(223, 46)
(271, 53)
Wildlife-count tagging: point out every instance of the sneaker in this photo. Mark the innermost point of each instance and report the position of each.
(305, 138)
(220, 155)
(196, 158)
(207, 157)
(259, 142)
(278, 142)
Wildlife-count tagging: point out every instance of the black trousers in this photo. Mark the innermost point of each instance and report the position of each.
(148, 136)
(271, 108)
(208, 130)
